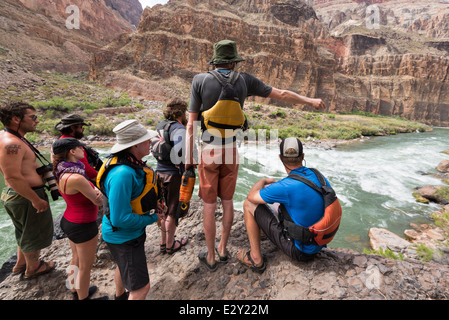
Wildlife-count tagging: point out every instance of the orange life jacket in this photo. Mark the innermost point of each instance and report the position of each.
(322, 232)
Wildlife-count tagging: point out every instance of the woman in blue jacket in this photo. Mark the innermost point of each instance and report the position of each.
(124, 180)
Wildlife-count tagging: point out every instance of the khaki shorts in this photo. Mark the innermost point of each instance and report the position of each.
(218, 170)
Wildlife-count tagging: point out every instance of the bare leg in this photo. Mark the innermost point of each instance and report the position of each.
(253, 230)
(21, 261)
(228, 219)
(139, 294)
(86, 258)
(210, 230)
(119, 288)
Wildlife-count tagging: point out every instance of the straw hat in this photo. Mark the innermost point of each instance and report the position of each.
(129, 133)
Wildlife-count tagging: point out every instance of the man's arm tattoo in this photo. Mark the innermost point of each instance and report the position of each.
(12, 149)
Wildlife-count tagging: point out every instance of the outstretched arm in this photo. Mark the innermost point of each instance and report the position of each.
(290, 96)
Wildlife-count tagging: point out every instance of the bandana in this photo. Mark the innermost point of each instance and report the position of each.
(70, 167)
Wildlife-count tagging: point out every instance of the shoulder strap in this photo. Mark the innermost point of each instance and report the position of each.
(319, 176)
(233, 77)
(41, 158)
(306, 181)
(65, 183)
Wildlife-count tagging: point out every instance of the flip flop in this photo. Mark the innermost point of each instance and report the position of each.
(35, 274)
(202, 256)
(260, 268)
(223, 258)
(19, 270)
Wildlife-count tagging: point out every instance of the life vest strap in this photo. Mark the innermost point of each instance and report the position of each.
(299, 233)
(223, 126)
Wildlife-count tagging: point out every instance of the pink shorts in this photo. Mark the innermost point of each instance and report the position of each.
(218, 171)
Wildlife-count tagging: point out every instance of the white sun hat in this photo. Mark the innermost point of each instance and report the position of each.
(129, 133)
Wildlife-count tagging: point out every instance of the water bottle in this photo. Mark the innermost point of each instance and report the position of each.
(185, 191)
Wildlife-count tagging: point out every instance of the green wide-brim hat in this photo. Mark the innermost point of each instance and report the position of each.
(225, 51)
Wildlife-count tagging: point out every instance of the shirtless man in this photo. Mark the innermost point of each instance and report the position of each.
(24, 196)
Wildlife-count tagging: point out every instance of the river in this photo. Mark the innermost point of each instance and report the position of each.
(374, 180)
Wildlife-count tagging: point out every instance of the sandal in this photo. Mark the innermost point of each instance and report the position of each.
(162, 248)
(181, 242)
(260, 268)
(92, 290)
(18, 270)
(202, 256)
(36, 274)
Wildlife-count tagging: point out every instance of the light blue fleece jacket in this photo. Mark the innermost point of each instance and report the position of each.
(123, 184)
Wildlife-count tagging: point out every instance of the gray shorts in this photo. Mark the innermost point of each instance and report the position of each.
(34, 231)
(132, 262)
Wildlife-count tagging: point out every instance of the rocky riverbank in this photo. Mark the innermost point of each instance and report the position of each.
(336, 274)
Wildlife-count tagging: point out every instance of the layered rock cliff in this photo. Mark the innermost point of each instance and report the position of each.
(392, 57)
(176, 40)
(326, 50)
(61, 35)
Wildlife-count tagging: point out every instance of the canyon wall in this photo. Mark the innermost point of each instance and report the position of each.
(396, 65)
(46, 35)
(326, 50)
(390, 60)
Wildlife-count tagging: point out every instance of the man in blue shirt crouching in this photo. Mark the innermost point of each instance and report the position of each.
(304, 204)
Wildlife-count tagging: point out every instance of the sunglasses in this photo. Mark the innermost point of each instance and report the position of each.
(33, 117)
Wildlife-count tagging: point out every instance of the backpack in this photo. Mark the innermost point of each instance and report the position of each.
(226, 116)
(161, 144)
(93, 158)
(322, 232)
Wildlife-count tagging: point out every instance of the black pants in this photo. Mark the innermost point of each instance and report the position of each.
(275, 232)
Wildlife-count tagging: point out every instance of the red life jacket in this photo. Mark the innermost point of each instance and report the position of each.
(322, 232)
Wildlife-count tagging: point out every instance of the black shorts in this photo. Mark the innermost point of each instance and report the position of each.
(79, 232)
(270, 225)
(132, 262)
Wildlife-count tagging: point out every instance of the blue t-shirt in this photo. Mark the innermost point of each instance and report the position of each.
(305, 205)
(123, 184)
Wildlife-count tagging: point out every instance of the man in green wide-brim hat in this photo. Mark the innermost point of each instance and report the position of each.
(225, 51)
(218, 165)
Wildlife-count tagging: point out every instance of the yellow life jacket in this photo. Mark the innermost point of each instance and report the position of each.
(151, 193)
(224, 118)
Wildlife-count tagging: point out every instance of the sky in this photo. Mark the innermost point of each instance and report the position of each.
(151, 3)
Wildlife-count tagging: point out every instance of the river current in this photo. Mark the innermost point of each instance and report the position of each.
(374, 180)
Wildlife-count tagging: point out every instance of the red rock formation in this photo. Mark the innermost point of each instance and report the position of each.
(387, 71)
(177, 39)
(37, 30)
